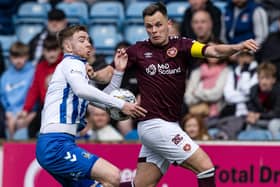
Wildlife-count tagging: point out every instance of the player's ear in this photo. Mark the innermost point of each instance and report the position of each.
(67, 46)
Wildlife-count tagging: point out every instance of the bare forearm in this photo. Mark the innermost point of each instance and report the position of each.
(224, 50)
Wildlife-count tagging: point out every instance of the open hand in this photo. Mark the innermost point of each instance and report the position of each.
(134, 110)
(90, 71)
(120, 59)
(249, 45)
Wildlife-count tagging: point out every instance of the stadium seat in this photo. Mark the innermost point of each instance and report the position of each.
(76, 12)
(108, 12)
(25, 32)
(105, 38)
(32, 12)
(134, 33)
(134, 12)
(176, 9)
(221, 5)
(109, 59)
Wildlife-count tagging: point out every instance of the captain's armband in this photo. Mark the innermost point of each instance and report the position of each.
(197, 49)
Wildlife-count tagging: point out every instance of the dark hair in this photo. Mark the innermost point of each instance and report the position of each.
(69, 32)
(19, 49)
(268, 69)
(56, 15)
(122, 44)
(50, 42)
(153, 8)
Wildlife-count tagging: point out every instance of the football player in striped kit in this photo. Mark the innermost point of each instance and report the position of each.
(64, 110)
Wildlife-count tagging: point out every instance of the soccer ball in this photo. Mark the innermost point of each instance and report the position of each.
(125, 95)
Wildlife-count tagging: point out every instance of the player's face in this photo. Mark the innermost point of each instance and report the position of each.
(80, 44)
(192, 128)
(266, 82)
(157, 28)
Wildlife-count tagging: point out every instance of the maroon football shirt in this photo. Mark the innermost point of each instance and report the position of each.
(161, 76)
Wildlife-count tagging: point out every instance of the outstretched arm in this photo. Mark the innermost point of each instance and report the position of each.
(224, 50)
(105, 75)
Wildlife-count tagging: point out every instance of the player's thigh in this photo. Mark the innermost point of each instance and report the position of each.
(105, 172)
(199, 161)
(167, 139)
(147, 175)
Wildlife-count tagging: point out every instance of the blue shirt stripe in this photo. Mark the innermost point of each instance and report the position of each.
(63, 105)
(75, 112)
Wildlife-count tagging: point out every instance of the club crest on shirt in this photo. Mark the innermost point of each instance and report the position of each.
(187, 147)
(172, 52)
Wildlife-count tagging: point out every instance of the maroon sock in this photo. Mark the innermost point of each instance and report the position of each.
(125, 184)
(207, 182)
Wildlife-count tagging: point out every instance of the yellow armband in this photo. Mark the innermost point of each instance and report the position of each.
(197, 49)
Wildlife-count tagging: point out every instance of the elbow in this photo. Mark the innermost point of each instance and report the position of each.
(79, 91)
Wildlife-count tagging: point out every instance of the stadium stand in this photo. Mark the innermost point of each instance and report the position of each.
(25, 32)
(134, 12)
(221, 5)
(135, 33)
(105, 38)
(32, 12)
(108, 12)
(176, 9)
(76, 12)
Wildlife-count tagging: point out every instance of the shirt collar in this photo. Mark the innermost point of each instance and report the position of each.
(69, 55)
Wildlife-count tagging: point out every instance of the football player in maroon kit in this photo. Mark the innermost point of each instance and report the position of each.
(161, 63)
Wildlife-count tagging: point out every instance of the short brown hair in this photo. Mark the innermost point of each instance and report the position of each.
(153, 8)
(50, 42)
(69, 32)
(268, 69)
(19, 49)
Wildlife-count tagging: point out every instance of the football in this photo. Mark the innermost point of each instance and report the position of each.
(125, 95)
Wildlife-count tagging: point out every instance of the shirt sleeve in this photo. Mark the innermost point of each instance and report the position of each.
(75, 74)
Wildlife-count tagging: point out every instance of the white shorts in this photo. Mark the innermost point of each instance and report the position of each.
(164, 143)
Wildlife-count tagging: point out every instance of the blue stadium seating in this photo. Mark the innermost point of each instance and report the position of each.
(32, 12)
(105, 38)
(221, 5)
(25, 32)
(76, 12)
(176, 9)
(134, 33)
(134, 12)
(108, 12)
